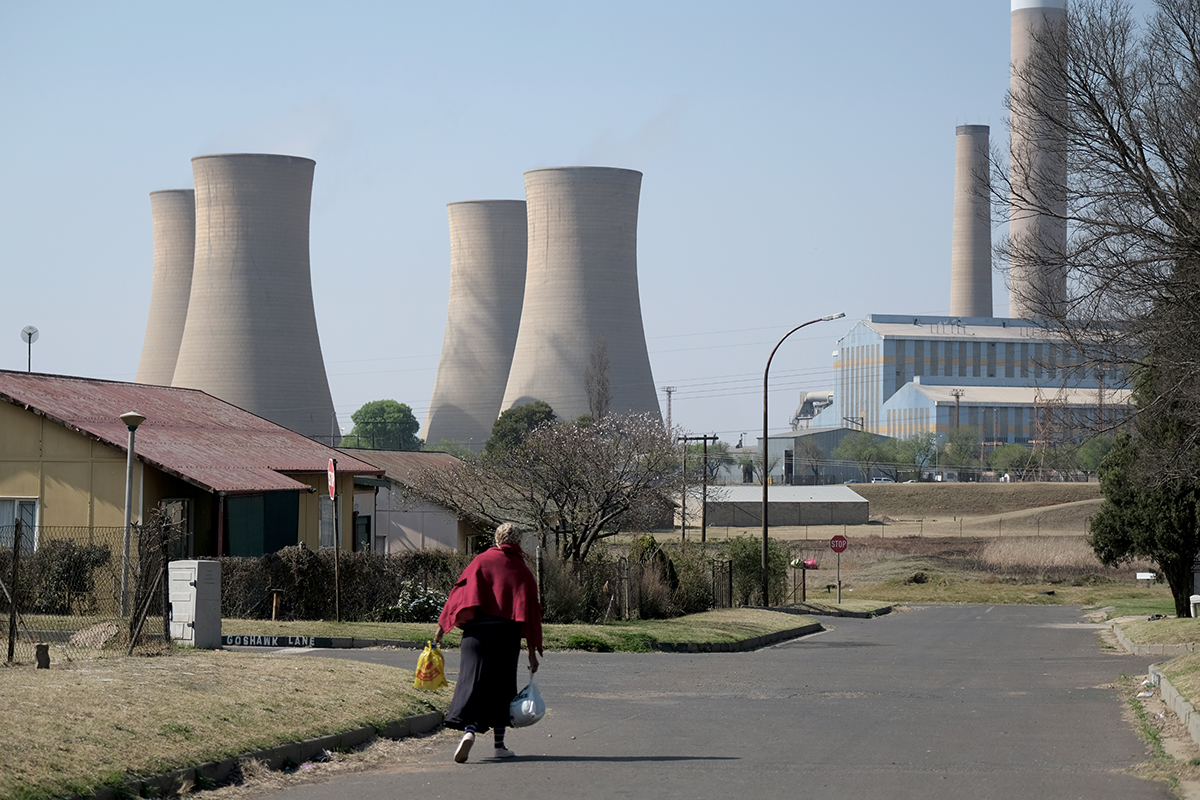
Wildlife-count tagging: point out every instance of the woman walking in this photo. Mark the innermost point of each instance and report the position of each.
(495, 602)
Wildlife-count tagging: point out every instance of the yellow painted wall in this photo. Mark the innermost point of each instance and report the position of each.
(78, 481)
(310, 514)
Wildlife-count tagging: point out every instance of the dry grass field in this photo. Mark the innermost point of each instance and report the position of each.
(71, 729)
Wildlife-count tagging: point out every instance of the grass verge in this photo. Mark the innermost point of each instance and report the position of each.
(78, 727)
(634, 636)
(1164, 631)
(856, 606)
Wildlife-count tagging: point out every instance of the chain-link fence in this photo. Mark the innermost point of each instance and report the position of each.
(71, 592)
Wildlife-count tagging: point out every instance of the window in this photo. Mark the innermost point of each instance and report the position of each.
(180, 538)
(328, 539)
(11, 510)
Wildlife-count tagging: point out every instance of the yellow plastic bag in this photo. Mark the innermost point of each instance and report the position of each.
(431, 668)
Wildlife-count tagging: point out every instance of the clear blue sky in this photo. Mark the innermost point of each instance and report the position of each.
(798, 161)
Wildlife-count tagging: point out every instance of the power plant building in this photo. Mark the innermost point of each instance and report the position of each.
(173, 216)
(251, 332)
(903, 375)
(581, 319)
(487, 287)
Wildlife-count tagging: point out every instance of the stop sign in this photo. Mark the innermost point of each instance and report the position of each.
(838, 543)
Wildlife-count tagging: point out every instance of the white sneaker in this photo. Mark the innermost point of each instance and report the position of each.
(502, 752)
(464, 748)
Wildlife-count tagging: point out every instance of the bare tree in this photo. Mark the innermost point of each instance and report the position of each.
(810, 456)
(1119, 103)
(576, 483)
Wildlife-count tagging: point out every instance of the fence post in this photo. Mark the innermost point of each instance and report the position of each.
(541, 578)
(12, 600)
(166, 584)
(628, 591)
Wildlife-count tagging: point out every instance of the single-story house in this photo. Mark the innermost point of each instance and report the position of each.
(235, 483)
(389, 518)
(741, 506)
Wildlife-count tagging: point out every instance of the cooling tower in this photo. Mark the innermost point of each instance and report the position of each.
(173, 215)
(971, 244)
(581, 309)
(251, 333)
(1038, 167)
(487, 287)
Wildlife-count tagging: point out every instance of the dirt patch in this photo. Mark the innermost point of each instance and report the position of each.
(1173, 753)
(426, 751)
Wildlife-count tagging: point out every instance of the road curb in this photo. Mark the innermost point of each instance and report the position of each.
(743, 646)
(1151, 649)
(293, 753)
(1176, 702)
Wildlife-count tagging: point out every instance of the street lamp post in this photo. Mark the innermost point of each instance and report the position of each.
(763, 452)
(131, 419)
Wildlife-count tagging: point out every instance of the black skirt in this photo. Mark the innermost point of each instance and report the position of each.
(487, 674)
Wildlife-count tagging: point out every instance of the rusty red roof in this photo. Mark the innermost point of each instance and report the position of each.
(398, 465)
(187, 433)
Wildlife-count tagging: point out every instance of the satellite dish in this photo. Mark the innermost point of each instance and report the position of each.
(29, 334)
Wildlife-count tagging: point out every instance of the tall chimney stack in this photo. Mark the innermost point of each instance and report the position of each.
(971, 244)
(1038, 166)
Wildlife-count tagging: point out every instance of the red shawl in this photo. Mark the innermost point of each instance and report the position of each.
(497, 583)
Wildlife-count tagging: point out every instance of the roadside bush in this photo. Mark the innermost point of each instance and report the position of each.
(746, 555)
(416, 604)
(61, 572)
(368, 583)
(576, 592)
(693, 571)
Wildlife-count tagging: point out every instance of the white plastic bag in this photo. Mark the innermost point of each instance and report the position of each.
(527, 707)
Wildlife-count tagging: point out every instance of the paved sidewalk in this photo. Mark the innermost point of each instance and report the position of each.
(942, 702)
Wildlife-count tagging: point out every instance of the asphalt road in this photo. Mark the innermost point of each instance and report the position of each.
(940, 702)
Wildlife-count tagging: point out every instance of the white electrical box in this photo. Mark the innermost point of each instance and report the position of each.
(196, 603)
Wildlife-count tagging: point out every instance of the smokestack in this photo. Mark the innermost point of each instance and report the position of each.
(251, 334)
(487, 288)
(173, 216)
(971, 244)
(582, 316)
(1038, 167)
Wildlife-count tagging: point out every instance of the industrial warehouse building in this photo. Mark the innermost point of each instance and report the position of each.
(741, 506)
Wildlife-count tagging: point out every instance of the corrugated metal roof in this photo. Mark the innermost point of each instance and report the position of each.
(187, 433)
(398, 465)
(785, 494)
(1020, 395)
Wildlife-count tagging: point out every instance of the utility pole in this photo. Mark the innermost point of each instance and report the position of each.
(957, 394)
(704, 484)
(669, 390)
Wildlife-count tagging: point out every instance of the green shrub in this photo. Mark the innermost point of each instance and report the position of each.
(693, 583)
(62, 571)
(369, 584)
(746, 555)
(590, 643)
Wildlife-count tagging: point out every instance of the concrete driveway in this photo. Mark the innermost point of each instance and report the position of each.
(940, 702)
